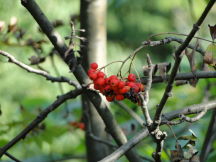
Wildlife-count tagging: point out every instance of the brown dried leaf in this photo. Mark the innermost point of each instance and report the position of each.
(191, 59)
(193, 82)
(210, 55)
(212, 31)
(163, 69)
(145, 70)
(57, 23)
(181, 82)
(12, 26)
(178, 154)
(34, 60)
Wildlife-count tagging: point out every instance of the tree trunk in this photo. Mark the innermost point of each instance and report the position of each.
(93, 20)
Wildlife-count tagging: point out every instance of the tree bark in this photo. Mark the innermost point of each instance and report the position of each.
(93, 20)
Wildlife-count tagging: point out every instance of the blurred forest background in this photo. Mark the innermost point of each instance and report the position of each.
(23, 95)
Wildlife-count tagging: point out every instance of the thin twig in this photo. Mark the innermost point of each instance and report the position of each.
(178, 58)
(13, 60)
(194, 109)
(194, 119)
(168, 40)
(182, 76)
(12, 157)
(144, 97)
(79, 73)
(124, 148)
(91, 135)
(130, 112)
(155, 132)
(43, 114)
(59, 84)
(180, 34)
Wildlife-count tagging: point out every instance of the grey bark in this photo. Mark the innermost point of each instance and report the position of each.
(93, 20)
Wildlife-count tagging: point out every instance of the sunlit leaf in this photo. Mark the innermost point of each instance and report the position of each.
(210, 55)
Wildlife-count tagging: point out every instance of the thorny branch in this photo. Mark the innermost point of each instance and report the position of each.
(13, 60)
(43, 114)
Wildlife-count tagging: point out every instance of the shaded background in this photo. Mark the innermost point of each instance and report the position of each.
(129, 23)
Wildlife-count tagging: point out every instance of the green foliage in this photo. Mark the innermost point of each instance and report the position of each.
(24, 95)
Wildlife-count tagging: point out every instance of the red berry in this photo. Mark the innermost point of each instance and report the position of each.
(93, 76)
(130, 84)
(121, 84)
(100, 74)
(135, 88)
(132, 77)
(107, 80)
(90, 71)
(110, 98)
(113, 77)
(124, 90)
(119, 97)
(100, 81)
(107, 88)
(96, 86)
(115, 89)
(114, 82)
(94, 65)
(141, 86)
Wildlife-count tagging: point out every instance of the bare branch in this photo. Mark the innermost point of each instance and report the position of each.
(11, 157)
(183, 76)
(48, 29)
(157, 155)
(13, 60)
(194, 119)
(194, 109)
(168, 40)
(111, 124)
(43, 114)
(178, 58)
(144, 97)
(124, 148)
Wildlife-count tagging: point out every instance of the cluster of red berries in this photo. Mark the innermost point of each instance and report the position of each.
(113, 87)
